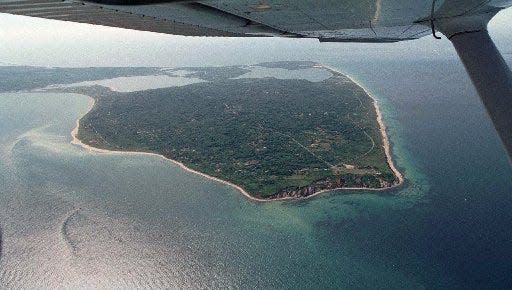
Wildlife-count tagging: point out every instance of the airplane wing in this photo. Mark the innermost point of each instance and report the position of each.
(327, 20)
(464, 22)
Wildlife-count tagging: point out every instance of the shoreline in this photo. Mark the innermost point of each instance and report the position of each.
(76, 141)
(382, 129)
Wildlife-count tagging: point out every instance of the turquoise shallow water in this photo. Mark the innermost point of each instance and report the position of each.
(76, 219)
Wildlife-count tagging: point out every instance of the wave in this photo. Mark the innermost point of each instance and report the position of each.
(65, 232)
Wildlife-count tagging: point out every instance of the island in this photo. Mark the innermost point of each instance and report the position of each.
(282, 130)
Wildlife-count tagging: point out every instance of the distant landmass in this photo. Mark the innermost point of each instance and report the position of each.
(274, 130)
(17, 78)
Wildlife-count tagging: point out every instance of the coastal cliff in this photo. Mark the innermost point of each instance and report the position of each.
(324, 186)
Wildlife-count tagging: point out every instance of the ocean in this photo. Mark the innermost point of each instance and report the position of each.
(70, 218)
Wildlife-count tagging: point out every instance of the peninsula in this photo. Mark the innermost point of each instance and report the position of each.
(274, 130)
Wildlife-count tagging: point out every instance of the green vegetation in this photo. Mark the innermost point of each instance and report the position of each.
(272, 137)
(16, 78)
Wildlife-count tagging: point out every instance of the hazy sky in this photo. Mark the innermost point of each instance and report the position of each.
(31, 41)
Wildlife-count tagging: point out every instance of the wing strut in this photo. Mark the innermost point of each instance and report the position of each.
(489, 73)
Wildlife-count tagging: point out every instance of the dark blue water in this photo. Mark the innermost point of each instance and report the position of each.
(466, 226)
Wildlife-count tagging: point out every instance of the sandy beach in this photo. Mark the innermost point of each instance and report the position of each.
(385, 138)
(399, 176)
